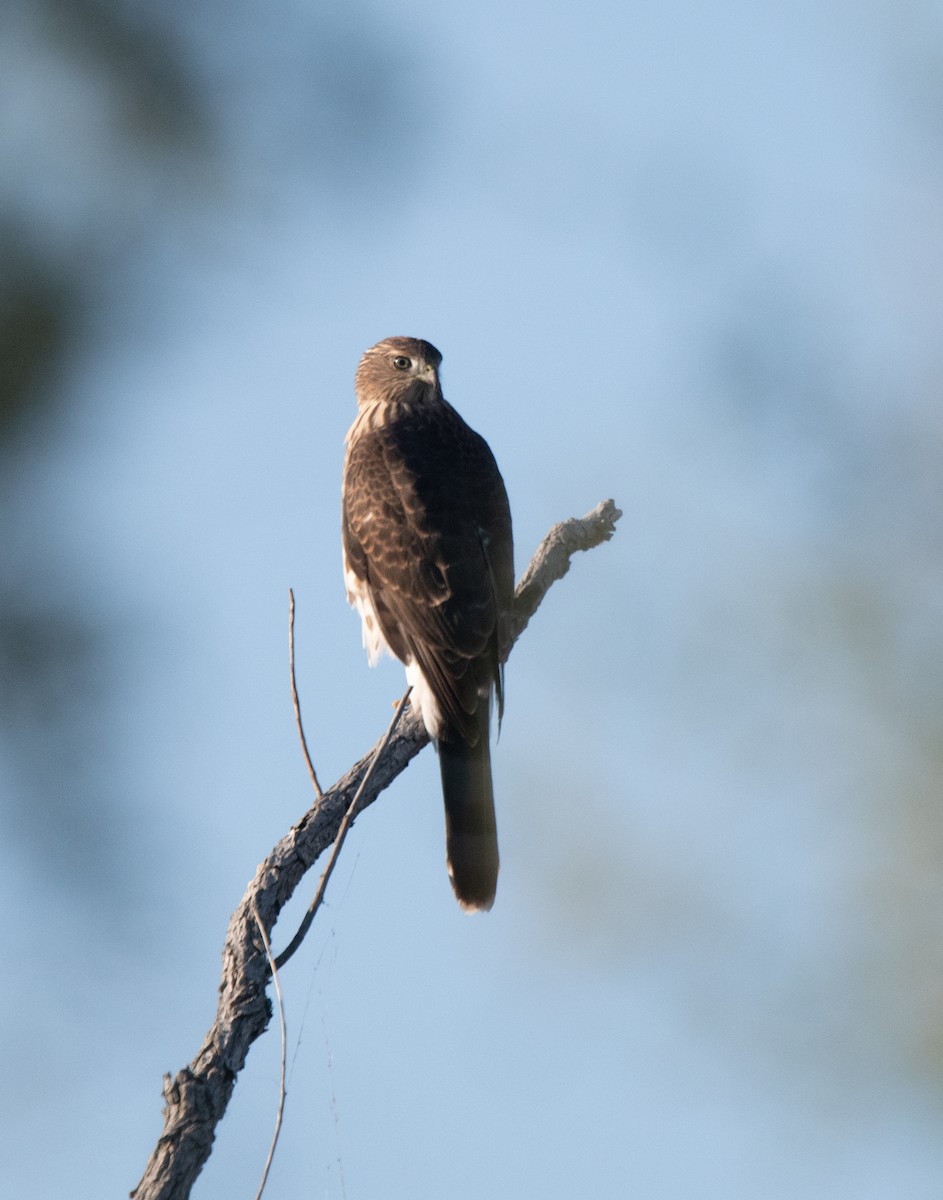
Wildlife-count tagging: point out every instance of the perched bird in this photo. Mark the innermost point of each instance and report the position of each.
(428, 563)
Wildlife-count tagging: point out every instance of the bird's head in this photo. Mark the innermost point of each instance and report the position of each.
(398, 369)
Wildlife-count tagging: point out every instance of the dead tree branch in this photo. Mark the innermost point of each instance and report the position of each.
(197, 1096)
(347, 822)
(282, 1090)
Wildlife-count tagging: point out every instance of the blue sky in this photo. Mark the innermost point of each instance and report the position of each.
(689, 258)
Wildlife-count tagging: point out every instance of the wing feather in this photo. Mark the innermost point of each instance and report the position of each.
(427, 530)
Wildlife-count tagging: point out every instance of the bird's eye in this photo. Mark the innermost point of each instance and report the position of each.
(402, 363)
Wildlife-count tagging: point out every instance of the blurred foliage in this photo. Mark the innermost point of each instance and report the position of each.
(161, 99)
(60, 812)
(55, 649)
(39, 314)
(126, 111)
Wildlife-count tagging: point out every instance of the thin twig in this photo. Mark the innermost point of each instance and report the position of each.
(339, 840)
(294, 692)
(281, 1019)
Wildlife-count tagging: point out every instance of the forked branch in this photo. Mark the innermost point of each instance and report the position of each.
(197, 1096)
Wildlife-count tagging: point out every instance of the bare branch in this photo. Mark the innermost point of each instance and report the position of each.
(281, 1082)
(552, 560)
(294, 693)
(197, 1097)
(339, 840)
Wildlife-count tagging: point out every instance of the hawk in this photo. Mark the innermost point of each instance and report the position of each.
(428, 563)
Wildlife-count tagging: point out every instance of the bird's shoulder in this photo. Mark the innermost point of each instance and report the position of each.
(429, 450)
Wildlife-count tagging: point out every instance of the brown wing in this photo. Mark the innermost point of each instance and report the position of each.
(426, 526)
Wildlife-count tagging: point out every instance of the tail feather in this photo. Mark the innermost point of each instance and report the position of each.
(470, 830)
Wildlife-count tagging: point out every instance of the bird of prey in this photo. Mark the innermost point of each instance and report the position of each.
(428, 563)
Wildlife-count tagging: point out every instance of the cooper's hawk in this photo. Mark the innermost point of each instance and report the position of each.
(428, 562)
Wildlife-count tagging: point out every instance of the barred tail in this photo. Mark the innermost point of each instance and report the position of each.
(470, 831)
